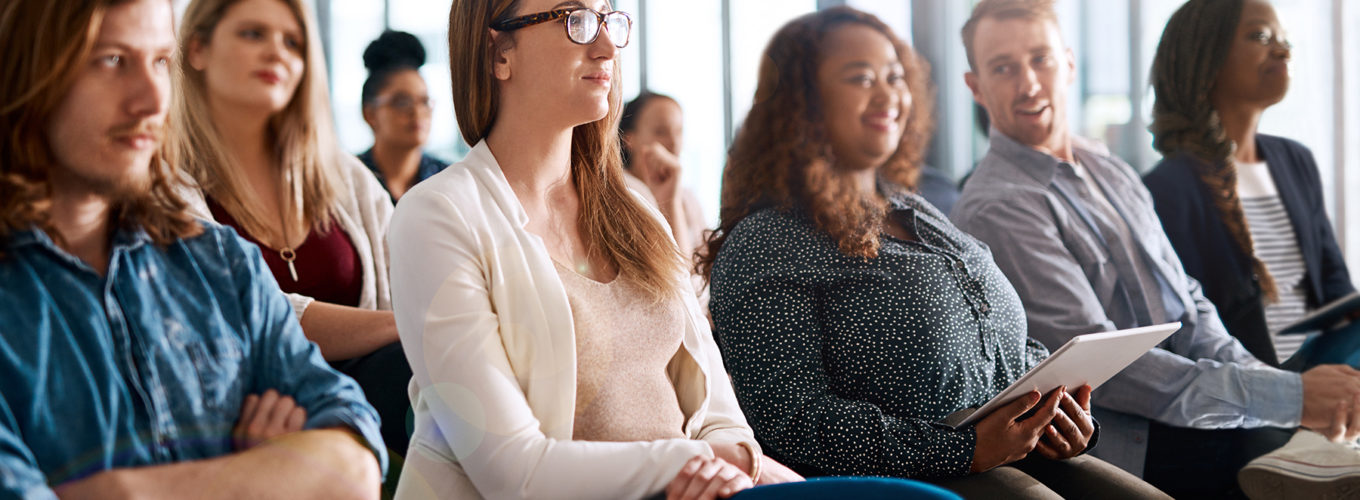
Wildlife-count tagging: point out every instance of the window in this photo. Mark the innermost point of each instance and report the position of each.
(428, 20)
(1309, 113)
(1348, 164)
(713, 81)
(360, 22)
(706, 54)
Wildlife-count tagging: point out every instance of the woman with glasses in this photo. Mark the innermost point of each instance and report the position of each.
(1244, 210)
(557, 346)
(251, 124)
(1246, 214)
(397, 107)
(854, 316)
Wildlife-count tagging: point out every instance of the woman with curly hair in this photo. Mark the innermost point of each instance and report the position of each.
(853, 316)
(1243, 210)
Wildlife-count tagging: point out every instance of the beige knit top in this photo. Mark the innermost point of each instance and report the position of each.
(624, 345)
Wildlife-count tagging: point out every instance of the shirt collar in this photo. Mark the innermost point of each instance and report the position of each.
(30, 236)
(427, 168)
(898, 200)
(1039, 165)
(130, 239)
(366, 158)
(919, 211)
(123, 239)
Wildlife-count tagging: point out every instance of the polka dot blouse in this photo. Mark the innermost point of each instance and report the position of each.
(844, 365)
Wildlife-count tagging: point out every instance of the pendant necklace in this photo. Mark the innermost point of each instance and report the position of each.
(287, 253)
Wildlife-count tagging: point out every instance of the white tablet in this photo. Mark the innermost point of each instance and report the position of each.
(1086, 359)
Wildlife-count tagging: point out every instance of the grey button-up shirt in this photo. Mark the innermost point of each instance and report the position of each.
(1077, 273)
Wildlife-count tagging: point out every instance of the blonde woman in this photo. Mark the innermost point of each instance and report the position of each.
(251, 126)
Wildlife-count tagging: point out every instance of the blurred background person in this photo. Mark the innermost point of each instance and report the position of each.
(652, 129)
(397, 107)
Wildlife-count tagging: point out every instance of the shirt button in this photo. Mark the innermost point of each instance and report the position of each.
(984, 308)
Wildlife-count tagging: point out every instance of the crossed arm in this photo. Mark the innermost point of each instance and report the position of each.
(275, 459)
(324, 463)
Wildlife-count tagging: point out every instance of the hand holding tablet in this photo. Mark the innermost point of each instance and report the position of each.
(1088, 359)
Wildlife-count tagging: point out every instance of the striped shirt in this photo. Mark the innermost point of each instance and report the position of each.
(1275, 243)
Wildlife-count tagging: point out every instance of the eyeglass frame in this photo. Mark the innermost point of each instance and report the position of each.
(1273, 40)
(392, 102)
(526, 21)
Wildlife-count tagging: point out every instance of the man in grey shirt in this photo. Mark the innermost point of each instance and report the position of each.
(1074, 230)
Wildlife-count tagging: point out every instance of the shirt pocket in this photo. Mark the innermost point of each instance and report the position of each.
(217, 363)
(1095, 263)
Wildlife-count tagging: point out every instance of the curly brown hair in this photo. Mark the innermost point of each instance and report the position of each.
(47, 45)
(1194, 47)
(782, 157)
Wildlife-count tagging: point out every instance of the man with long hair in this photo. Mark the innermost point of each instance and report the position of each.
(142, 352)
(1075, 231)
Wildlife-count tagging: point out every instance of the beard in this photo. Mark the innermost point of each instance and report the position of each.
(129, 188)
(132, 183)
(129, 178)
(135, 182)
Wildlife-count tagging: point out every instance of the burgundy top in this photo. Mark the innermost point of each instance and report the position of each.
(327, 264)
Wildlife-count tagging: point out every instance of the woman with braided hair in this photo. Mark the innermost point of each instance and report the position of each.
(1243, 210)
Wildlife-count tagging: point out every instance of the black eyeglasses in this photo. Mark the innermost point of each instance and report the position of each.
(583, 25)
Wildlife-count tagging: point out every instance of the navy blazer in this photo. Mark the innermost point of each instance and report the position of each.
(1209, 254)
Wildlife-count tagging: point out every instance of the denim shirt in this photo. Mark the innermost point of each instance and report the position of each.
(150, 364)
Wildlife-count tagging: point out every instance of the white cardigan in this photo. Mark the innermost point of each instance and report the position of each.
(486, 324)
(365, 211)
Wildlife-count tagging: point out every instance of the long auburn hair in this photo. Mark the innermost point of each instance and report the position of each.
(305, 145)
(47, 45)
(782, 157)
(1193, 49)
(613, 224)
